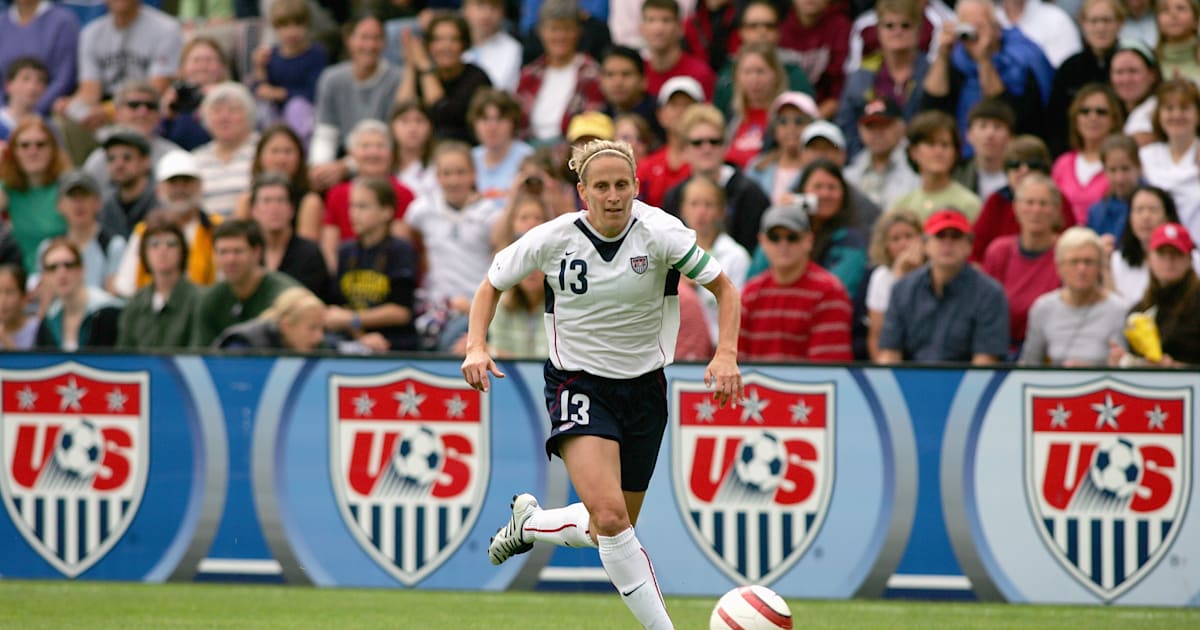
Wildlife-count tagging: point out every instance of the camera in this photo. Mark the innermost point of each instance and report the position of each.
(533, 185)
(807, 202)
(966, 32)
(187, 97)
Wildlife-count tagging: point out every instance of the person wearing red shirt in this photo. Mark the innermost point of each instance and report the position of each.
(820, 35)
(665, 58)
(795, 310)
(664, 169)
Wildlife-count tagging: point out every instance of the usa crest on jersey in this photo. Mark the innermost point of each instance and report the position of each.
(409, 459)
(753, 482)
(76, 448)
(1108, 470)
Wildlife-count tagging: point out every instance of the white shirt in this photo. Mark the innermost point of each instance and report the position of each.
(550, 104)
(458, 243)
(879, 289)
(500, 57)
(613, 308)
(735, 260)
(1181, 179)
(1049, 27)
(1129, 283)
(1141, 119)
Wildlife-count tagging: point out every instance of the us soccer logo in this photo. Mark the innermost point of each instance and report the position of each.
(753, 481)
(409, 459)
(1108, 468)
(76, 445)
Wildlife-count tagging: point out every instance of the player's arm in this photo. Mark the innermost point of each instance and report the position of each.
(722, 371)
(478, 362)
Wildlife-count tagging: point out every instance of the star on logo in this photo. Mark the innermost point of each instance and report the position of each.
(800, 411)
(752, 407)
(71, 394)
(1156, 418)
(1059, 417)
(1106, 414)
(410, 401)
(363, 404)
(455, 407)
(705, 410)
(116, 400)
(26, 397)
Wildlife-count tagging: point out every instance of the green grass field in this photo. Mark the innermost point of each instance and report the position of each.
(91, 605)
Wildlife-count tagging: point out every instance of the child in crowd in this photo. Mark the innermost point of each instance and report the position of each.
(1123, 168)
(287, 72)
(896, 249)
(25, 81)
(412, 130)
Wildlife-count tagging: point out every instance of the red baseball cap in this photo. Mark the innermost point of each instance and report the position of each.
(947, 219)
(1174, 235)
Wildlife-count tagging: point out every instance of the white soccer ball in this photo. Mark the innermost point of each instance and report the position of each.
(80, 449)
(418, 457)
(760, 462)
(750, 608)
(1116, 467)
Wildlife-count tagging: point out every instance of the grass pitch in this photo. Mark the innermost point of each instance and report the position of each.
(93, 605)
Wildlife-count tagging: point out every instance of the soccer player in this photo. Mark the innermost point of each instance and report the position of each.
(613, 320)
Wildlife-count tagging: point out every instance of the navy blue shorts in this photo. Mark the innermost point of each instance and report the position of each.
(631, 411)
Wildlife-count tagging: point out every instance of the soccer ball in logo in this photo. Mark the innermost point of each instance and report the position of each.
(418, 457)
(80, 449)
(760, 462)
(1116, 467)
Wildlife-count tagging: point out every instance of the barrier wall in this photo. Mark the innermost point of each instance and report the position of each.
(1014, 485)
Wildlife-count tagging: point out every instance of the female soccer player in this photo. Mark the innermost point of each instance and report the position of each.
(612, 321)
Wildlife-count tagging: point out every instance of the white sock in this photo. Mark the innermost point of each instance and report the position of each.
(628, 567)
(565, 527)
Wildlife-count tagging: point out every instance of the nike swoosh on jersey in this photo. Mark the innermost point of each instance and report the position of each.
(570, 252)
(632, 590)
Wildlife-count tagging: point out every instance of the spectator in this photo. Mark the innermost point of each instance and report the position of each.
(708, 33)
(541, 175)
(1177, 42)
(662, 29)
(1170, 161)
(47, 32)
(795, 310)
(518, 329)
(703, 209)
(161, 314)
(895, 250)
(80, 316)
(272, 206)
(364, 87)
(412, 132)
(1135, 78)
(1141, 23)
(1174, 296)
(1123, 169)
(623, 84)
(758, 81)
(493, 49)
(1023, 263)
(228, 113)
(377, 274)
(993, 63)
(436, 77)
(947, 310)
(294, 322)
(560, 83)
(990, 127)
(135, 108)
(822, 140)
(934, 148)
(131, 197)
(1079, 173)
(819, 33)
(1149, 208)
(1101, 20)
(635, 131)
(864, 32)
(202, 67)
(589, 126)
(703, 127)
(881, 170)
(896, 72)
(280, 151)
(18, 329)
(24, 84)
(777, 169)
(285, 75)
(496, 116)
(1045, 24)
(246, 290)
(759, 24)
(840, 235)
(667, 167)
(29, 186)
(100, 249)
(594, 39)
(1074, 325)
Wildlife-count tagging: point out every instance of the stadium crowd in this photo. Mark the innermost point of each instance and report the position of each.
(902, 181)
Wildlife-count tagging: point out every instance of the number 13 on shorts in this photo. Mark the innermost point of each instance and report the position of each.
(574, 407)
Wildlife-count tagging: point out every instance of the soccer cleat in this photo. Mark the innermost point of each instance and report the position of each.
(508, 541)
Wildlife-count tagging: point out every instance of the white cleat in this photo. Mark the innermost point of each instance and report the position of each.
(509, 541)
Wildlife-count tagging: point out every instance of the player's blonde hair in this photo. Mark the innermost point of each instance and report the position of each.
(581, 156)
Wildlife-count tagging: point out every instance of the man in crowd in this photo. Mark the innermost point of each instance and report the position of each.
(623, 84)
(136, 108)
(665, 168)
(131, 197)
(662, 29)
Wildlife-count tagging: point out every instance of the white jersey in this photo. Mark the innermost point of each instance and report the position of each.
(612, 307)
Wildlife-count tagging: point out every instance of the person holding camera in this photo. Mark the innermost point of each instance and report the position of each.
(202, 66)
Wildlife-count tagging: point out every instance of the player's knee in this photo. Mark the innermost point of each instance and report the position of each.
(610, 521)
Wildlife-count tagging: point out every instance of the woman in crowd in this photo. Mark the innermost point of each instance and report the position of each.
(79, 204)
(758, 79)
(1174, 296)
(896, 249)
(1073, 326)
(202, 66)
(1024, 156)
(575, 76)
(495, 117)
(79, 316)
(1149, 208)
(412, 132)
(229, 115)
(1134, 76)
(1170, 161)
(280, 151)
(1177, 41)
(18, 329)
(703, 209)
(160, 315)
(1095, 113)
(635, 131)
(436, 76)
(839, 235)
(295, 321)
(273, 207)
(777, 169)
(540, 174)
(1100, 21)
(29, 186)
(518, 331)
(934, 148)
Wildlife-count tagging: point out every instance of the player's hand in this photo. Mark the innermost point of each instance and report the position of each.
(475, 368)
(725, 379)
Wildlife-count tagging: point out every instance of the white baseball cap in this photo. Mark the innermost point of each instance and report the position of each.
(176, 163)
(823, 129)
(687, 85)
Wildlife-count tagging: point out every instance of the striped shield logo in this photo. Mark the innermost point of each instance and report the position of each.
(1108, 470)
(76, 445)
(753, 482)
(409, 460)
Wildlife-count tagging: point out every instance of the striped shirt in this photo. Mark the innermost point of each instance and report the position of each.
(224, 181)
(807, 320)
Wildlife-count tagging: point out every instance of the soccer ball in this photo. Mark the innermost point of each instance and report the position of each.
(1116, 467)
(750, 608)
(80, 449)
(418, 457)
(760, 462)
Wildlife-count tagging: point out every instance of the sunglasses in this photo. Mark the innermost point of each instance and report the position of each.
(790, 237)
(1099, 111)
(143, 104)
(52, 267)
(33, 144)
(699, 142)
(1033, 165)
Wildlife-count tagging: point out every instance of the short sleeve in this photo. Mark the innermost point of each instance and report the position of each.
(165, 62)
(519, 259)
(879, 289)
(679, 248)
(88, 60)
